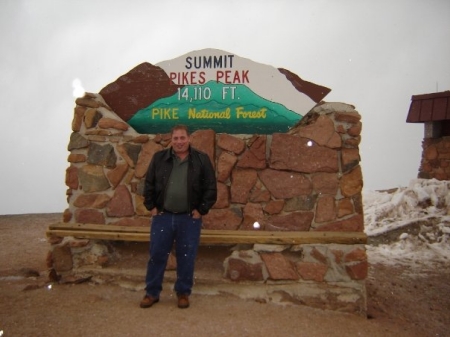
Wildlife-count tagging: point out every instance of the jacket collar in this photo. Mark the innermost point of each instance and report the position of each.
(169, 153)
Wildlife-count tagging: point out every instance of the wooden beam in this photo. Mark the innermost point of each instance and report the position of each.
(95, 227)
(208, 236)
(108, 235)
(294, 239)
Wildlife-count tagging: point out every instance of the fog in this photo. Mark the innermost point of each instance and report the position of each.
(373, 55)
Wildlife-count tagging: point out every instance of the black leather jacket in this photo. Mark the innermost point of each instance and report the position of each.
(202, 187)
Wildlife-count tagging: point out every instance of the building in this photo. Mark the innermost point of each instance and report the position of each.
(434, 111)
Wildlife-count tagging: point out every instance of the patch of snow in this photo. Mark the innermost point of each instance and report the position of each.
(425, 202)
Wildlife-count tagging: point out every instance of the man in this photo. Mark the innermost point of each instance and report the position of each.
(180, 187)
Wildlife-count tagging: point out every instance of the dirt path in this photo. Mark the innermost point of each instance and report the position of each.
(400, 303)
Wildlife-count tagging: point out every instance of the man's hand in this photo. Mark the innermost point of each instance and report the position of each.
(154, 211)
(196, 214)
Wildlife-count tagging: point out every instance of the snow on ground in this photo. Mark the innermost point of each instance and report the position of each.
(416, 219)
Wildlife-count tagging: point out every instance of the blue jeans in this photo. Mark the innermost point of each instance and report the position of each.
(166, 229)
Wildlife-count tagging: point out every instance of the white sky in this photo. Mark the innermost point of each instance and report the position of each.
(372, 54)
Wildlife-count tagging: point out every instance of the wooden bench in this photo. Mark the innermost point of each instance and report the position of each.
(208, 236)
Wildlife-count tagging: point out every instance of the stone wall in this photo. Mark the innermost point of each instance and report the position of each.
(308, 179)
(435, 161)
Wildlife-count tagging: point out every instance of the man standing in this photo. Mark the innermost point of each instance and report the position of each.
(180, 187)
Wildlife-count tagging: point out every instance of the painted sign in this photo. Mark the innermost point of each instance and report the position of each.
(214, 89)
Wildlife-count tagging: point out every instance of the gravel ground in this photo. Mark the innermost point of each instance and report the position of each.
(400, 302)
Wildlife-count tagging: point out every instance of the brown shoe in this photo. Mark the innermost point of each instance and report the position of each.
(183, 301)
(148, 301)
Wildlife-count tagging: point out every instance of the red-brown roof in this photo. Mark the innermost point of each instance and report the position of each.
(429, 107)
